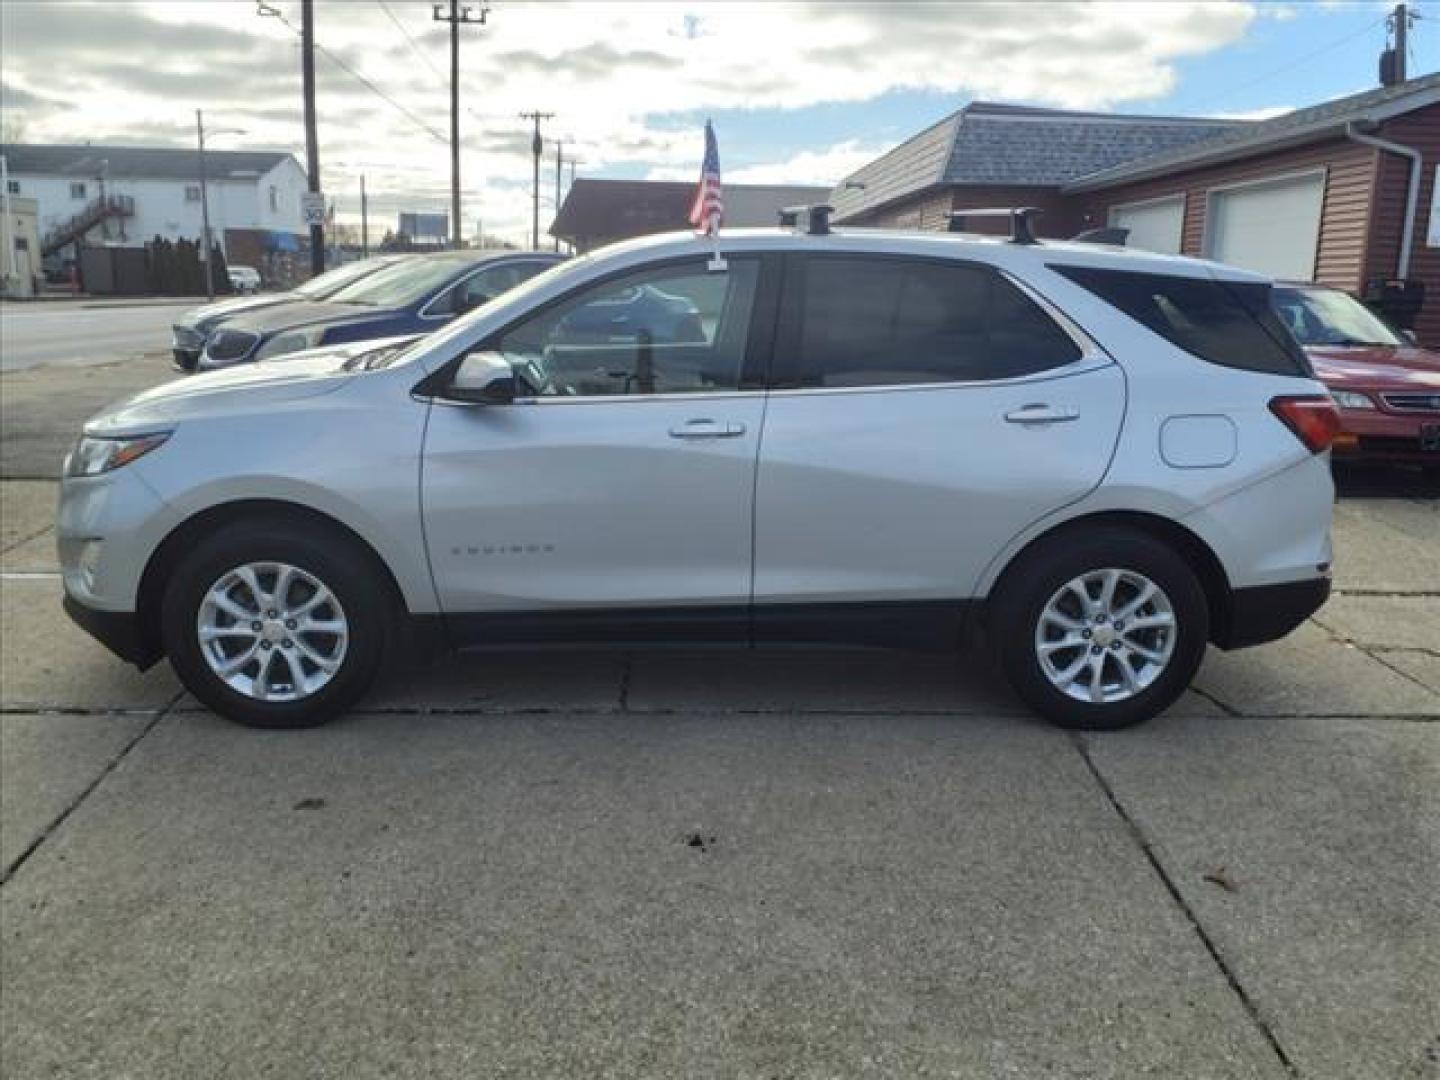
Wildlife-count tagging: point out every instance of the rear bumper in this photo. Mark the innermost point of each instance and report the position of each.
(118, 631)
(1269, 612)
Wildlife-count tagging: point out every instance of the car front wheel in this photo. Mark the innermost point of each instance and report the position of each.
(274, 625)
(1101, 630)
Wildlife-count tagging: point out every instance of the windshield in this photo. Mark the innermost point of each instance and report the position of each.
(403, 283)
(1320, 317)
(323, 286)
(510, 300)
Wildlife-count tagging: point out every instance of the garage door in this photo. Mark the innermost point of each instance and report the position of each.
(1273, 227)
(1154, 226)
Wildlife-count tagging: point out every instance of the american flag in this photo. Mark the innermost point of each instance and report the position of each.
(708, 210)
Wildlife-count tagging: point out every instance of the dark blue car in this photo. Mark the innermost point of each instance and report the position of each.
(412, 297)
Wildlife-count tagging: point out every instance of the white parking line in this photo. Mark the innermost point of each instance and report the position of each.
(28, 575)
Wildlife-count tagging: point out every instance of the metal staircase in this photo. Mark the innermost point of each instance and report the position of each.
(75, 228)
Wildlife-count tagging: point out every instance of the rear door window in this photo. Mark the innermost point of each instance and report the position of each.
(875, 321)
(1222, 322)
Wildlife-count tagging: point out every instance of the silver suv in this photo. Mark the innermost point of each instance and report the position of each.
(1100, 458)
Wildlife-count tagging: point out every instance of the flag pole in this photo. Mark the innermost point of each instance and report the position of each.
(717, 263)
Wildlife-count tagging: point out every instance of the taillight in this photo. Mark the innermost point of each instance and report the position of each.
(1312, 417)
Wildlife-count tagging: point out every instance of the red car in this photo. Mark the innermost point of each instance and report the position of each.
(1387, 387)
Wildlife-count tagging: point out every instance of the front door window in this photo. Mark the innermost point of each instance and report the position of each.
(679, 330)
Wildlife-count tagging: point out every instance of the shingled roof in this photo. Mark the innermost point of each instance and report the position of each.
(991, 144)
(595, 207)
(1293, 128)
(135, 162)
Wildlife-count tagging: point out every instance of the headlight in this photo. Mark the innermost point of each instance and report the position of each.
(1349, 399)
(291, 341)
(92, 456)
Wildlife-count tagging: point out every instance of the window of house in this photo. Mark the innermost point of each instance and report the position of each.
(77, 190)
(665, 330)
(886, 322)
(13, 186)
(274, 198)
(192, 192)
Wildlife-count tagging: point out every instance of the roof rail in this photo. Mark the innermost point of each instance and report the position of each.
(1106, 234)
(817, 218)
(1020, 228)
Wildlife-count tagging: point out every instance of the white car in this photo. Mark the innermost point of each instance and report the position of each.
(243, 279)
(1103, 459)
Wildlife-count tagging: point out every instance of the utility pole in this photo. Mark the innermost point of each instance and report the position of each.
(559, 163)
(312, 147)
(455, 17)
(204, 198)
(1394, 59)
(537, 147)
(204, 209)
(364, 221)
(1402, 28)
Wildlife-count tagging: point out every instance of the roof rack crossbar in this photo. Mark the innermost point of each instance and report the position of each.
(1021, 231)
(817, 218)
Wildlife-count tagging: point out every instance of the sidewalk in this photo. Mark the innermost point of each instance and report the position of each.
(88, 302)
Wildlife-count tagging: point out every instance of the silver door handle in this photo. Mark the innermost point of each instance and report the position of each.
(706, 429)
(1040, 413)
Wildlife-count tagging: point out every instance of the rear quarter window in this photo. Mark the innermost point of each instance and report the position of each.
(1221, 322)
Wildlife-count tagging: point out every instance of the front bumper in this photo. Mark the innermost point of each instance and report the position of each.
(1269, 612)
(119, 631)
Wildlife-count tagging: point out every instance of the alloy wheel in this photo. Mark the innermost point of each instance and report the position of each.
(272, 632)
(1105, 636)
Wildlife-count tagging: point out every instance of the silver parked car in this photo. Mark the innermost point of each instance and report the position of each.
(1103, 458)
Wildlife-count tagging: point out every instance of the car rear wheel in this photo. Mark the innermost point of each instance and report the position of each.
(1101, 629)
(274, 625)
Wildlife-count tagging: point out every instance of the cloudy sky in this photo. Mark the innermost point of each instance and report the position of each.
(799, 92)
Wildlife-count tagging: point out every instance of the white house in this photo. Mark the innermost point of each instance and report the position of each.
(128, 195)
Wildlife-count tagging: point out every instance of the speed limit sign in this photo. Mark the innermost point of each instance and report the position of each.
(312, 207)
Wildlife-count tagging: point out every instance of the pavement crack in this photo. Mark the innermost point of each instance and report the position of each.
(1214, 699)
(8, 872)
(1374, 652)
(1148, 850)
(25, 540)
(1400, 593)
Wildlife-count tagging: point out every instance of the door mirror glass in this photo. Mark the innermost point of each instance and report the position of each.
(483, 378)
(1411, 338)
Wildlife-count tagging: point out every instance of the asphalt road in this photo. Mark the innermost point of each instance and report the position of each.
(81, 333)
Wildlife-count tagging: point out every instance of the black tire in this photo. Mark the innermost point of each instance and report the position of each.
(337, 560)
(1027, 587)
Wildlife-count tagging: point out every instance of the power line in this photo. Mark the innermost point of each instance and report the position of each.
(414, 46)
(361, 79)
(1298, 62)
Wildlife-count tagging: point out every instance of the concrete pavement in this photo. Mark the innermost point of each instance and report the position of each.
(818, 863)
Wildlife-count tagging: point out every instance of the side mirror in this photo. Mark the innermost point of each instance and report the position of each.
(1411, 338)
(483, 378)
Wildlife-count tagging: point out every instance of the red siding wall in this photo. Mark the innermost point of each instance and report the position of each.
(1421, 130)
(1349, 178)
(931, 209)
